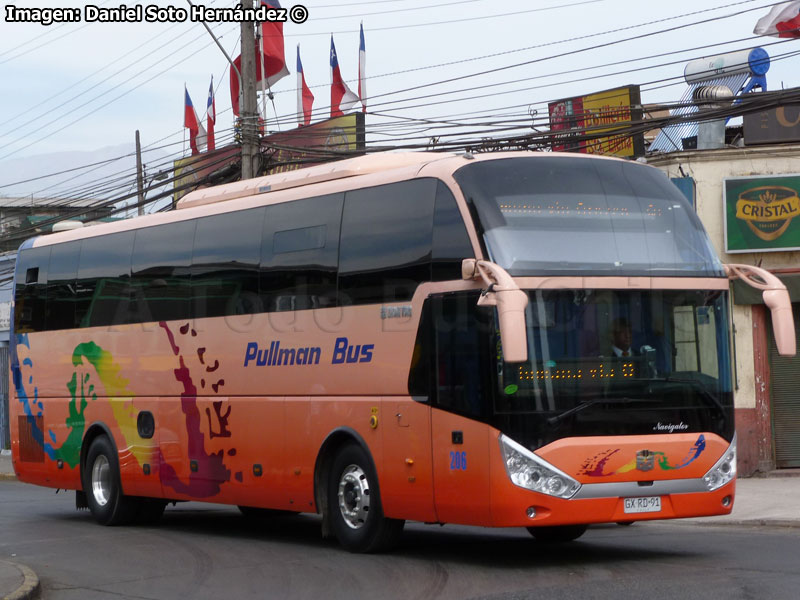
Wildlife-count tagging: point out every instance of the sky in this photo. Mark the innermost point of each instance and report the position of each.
(81, 87)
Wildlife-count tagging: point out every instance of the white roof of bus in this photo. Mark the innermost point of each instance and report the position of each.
(351, 167)
(373, 168)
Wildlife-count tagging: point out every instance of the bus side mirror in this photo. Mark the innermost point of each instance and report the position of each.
(776, 297)
(502, 291)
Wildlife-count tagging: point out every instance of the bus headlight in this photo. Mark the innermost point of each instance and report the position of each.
(528, 471)
(724, 471)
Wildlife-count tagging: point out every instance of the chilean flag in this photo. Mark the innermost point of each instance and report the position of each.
(342, 97)
(782, 20)
(362, 71)
(305, 99)
(272, 47)
(197, 135)
(270, 54)
(236, 92)
(211, 117)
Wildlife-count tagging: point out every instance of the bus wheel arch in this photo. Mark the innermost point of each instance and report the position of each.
(100, 478)
(350, 491)
(94, 431)
(331, 446)
(344, 460)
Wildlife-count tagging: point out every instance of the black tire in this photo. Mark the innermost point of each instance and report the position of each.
(102, 486)
(557, 534)
(354, 504)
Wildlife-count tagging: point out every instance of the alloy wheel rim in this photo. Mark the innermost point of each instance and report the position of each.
(354, 497)
(101, 480)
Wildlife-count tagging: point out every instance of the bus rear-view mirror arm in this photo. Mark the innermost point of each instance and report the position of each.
(502, 291)
(776, 297)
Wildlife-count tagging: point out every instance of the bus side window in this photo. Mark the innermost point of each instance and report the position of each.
(464, 347)
(386, 242)
(30, 292)
(450, 239)
(161, 282)
(420, 382)
(62, 274)
(300, 254)
(103, 279)
(227, 251)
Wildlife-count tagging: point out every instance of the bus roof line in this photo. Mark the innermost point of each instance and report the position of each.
(352, 167)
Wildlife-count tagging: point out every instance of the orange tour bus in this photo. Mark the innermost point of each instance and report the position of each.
(517, 339)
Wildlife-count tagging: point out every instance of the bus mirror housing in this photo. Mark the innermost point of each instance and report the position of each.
(502, 291)
(776, 297)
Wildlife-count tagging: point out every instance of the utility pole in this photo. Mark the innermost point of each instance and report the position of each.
(249, 108)
(139, 176)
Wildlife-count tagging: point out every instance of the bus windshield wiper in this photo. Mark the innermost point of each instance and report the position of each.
(701, 389)
(556, 419)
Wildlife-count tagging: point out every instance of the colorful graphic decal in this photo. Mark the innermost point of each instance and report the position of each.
(645, 460)
(30, 405)
(208, 470)
(81, 391)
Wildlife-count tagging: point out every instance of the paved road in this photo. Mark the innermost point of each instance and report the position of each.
(209, 551)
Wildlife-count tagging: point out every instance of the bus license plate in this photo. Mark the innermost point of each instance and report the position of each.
(646, 504)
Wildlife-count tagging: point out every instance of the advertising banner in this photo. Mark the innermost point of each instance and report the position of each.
(760, 213)
(773, 126)
(283, 151)
(584, 120)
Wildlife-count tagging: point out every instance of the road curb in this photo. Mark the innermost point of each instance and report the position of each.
(786, 523)
(8, 477)
(30, 587)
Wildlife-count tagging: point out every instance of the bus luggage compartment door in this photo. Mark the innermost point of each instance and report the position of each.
(406, 476)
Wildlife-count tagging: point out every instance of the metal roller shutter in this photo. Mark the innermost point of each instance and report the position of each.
(785, 396)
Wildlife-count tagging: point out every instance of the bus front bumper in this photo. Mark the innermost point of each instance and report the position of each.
(612, 503)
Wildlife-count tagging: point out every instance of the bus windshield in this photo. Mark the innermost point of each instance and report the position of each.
(600, 362)
(559, 215)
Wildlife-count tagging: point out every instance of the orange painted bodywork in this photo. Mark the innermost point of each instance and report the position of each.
(232, 431)
(262, 449)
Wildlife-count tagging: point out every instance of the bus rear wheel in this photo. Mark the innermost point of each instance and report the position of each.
(101, 484)
(558, 533)
(354, 504)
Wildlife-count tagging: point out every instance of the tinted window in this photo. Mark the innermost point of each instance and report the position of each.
(61, 291)
(581, 215)
(464, 350)
(304, 238)
(30, 289)
(300, 254)
(386, 241)
(102, 290)
(161, 283)
(227, 250)
(450, 240)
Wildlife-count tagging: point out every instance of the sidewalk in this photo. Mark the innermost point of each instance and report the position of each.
(773, 500)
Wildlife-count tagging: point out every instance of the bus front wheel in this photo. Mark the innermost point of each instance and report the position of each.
(101, 484)
(354, 504)
(557, 533)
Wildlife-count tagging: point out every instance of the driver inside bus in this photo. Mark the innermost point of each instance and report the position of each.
(621, 338)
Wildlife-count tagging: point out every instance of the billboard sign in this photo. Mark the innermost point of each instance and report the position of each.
(773, 126)
(584, 119)
(761, 213)
(284, 151)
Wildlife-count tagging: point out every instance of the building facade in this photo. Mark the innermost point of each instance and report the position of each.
(747, 199)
